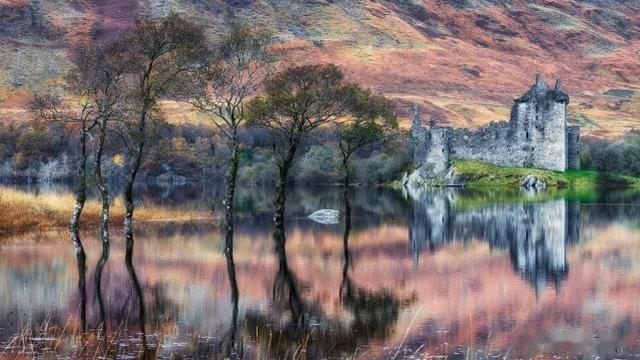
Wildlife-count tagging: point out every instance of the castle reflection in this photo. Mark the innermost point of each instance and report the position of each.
(536, 235)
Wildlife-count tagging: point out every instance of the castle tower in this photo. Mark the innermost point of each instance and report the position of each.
(540, 125)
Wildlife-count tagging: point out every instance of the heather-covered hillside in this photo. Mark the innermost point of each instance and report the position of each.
(461, 60)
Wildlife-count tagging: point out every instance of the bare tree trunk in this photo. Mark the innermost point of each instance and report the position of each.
(231, 177)
(106, 204)
(128, 190)
(82, 287)
(281, 190)
(347, 171)
(233, 284)
(81, 198)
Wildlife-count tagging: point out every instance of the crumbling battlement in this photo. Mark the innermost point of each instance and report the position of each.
(536, 136)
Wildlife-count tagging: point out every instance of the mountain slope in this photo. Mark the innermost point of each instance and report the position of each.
(463, 61)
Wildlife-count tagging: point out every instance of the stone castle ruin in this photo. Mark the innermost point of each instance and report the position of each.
(536, 136)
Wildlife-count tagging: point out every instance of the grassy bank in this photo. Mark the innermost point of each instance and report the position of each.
(25, 211)
(477, 174)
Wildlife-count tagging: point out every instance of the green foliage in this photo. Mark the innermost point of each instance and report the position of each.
(616, 157)
(320, 164)
(370, 119)
(260, 170)
(296, 102)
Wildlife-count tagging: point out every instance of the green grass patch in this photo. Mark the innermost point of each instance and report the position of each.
(478, 174)
(478, 198)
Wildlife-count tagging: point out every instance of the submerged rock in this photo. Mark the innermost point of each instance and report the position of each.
(326, 216)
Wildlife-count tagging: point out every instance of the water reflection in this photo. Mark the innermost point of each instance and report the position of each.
(536, 235)
(374, 312)
(436, 272)
(135, 283)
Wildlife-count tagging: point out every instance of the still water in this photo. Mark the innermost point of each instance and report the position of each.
(442, 272)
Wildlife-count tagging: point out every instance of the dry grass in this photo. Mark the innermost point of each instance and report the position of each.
(24, 211)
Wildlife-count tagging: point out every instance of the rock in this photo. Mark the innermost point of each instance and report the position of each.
(421, 178)
(532, 182)
(326, 216)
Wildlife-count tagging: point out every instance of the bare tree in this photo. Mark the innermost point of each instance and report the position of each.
(51, 108)
(161, 56)
(239, 66)
(99, 71)
(297, 101)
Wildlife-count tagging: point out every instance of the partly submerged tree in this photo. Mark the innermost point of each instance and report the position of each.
(296, 102)
(99, 71)
(161, 57)
(239, 65)
(81, 118)
(370, 120)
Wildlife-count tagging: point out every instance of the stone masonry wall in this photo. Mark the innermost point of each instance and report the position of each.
(536, 136)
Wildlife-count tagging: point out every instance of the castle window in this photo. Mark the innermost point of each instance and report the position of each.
(443, 150)
(526, 135)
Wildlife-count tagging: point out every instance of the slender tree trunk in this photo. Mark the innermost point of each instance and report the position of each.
(128, 190)
(81, 198)
(347, 171)
(128, 228)
(106, 204)
(231, 178)
(281, 190)
(82, 287)
(233, 284)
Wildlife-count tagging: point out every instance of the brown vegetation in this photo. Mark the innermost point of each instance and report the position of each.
(25, 211)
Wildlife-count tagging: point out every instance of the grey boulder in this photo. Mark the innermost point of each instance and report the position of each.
(326, 216)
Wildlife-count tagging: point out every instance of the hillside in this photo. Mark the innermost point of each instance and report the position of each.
(462, 60)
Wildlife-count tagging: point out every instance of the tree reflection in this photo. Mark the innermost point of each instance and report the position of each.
(232, 346)
(374, 313)
(139, 295)
(82, 289)
(285, 287)
(98, 292)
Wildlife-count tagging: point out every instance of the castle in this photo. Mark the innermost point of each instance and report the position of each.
(536, 136)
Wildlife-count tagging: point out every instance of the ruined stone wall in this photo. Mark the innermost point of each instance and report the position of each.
(494, 143)
(536, 136)
(573, 147)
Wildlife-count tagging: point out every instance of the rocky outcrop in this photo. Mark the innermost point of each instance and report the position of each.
(532, 182)
(421, 178)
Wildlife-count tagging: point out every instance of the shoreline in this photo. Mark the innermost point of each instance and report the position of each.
(24, 212)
